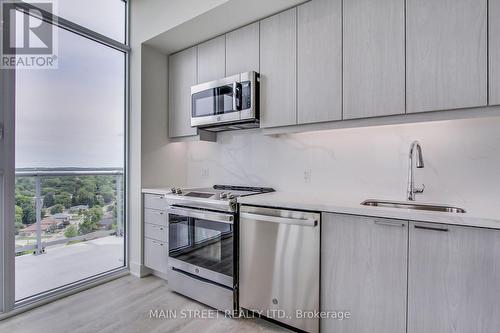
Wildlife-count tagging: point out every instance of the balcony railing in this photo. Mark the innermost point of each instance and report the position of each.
(39, 173)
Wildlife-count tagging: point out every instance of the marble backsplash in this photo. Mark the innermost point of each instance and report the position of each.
(462, 162)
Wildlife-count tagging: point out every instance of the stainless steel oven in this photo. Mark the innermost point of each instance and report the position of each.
(201, 243)
(226, 104)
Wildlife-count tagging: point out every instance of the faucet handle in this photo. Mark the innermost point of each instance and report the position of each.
(419, 189)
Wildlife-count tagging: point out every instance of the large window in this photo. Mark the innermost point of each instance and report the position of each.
(106, 17)
(70, 148)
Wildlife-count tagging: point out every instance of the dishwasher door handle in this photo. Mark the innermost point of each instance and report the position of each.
(277, 219)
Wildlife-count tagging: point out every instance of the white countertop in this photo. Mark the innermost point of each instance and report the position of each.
(352, 206)
(157, 190)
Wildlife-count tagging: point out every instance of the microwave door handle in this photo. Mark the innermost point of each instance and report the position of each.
(236, 96)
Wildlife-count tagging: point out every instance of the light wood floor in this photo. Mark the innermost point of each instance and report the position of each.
(124, 305)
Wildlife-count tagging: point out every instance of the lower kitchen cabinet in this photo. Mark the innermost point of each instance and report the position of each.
(364, 272)
(454, 279)
(155, 233)
(155, 255)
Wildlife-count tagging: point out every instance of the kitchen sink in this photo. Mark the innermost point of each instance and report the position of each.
(413, 206)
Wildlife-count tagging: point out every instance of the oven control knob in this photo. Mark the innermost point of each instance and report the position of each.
(178, 191)
(230, 196)
(173, 190)
(223, 195)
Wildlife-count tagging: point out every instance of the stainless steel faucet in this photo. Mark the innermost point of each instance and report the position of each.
(412, 190)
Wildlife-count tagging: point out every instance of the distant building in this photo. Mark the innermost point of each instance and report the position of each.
(61, 217)
(48, 224)
(77, 209)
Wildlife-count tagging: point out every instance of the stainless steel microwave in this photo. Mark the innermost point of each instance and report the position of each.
(226, 104)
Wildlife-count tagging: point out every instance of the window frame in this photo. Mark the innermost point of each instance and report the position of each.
(8, 306)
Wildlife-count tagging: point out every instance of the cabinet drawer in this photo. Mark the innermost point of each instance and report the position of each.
(155, 255)
(157, 232)
(154, 216)
(155, 201)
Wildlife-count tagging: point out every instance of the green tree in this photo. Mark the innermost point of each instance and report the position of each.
(107, 193)
(99, 200)
(63, 198)
(85, 197)
(48, 200)
(54, 182)
(57, 209)
(90, 219)
(27, 204)
(19, 215)
(70, 232)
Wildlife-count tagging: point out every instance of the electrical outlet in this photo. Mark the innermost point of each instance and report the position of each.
(205, 173)
(307, 176)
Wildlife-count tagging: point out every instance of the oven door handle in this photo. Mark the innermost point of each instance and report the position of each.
(201, 214)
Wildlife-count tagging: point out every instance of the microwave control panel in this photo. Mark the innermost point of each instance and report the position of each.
(246, 95)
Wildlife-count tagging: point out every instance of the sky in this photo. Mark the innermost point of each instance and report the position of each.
(73, 116)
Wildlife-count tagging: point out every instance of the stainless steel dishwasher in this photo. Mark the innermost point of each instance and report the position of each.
(279, 264)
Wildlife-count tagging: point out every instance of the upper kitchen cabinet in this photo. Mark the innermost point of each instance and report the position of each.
(453, 279)
(446, 54)
(319, 62)
(242, 50)
(494, 48)
(374, 58)
(212, 59)
(278, 64)
(181, 76)
(363, 271)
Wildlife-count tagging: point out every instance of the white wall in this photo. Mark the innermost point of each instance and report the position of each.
(462, 162)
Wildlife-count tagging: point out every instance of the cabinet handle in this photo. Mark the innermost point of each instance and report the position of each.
(431, 228)
(390, 224)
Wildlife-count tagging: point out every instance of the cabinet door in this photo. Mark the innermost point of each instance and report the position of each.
(494, 48)
(242, 50)
(156, 232)
(212, 59)
(446, 54)
(454, 275)
(278, 65)
(364, 271)
(157, 217)
(155, 201)
(319, 62)
(374, 58)
(155, 255)
(182, 75)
